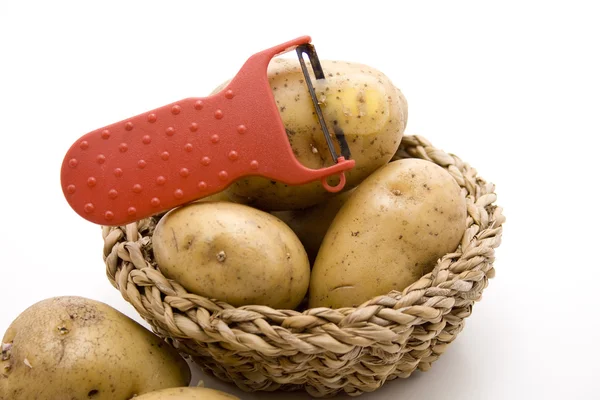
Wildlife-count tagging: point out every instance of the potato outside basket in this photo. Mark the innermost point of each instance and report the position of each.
(323, 351)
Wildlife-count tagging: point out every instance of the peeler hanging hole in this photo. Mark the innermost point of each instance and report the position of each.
(334, 189)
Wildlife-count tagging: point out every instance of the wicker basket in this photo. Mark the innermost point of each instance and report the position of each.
(323, 351)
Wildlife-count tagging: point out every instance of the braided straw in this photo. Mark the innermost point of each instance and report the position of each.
(321, 350)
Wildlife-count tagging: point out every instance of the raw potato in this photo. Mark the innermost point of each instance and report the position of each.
(71, 348)
(187, 393)
(391, 232)
(310, 224)
(234, 253)
(357, 100)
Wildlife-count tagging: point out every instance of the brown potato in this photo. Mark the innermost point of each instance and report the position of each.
(66, 348)
(357, 100)
(391, 231)
(234, 253)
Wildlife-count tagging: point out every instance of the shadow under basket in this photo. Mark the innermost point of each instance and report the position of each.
(323, 351)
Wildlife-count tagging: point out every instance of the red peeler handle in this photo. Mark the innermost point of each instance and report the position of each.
(187, 150)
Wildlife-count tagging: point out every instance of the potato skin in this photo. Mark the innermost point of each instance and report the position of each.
(311, 224)
(187, 393)
(356, 99)
(66, 348)
(391, 231)
(234, 253)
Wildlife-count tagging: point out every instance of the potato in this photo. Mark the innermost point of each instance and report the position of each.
(234, 253)
(187, 393)
(391, 231)
(310, 224)
(70, 348)
(357, 100)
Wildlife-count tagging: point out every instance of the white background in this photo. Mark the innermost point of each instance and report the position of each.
(511, 87)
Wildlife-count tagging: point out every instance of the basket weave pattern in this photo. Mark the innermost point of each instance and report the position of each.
(321, 350)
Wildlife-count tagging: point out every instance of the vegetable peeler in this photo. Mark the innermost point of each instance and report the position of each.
(194, 148)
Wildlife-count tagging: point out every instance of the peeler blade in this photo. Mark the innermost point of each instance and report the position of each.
(309, 50)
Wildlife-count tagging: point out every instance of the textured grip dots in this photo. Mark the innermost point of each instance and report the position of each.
(163, 158)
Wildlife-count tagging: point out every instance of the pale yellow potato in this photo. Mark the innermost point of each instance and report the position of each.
(71, 348)
(391, 231)
(233, 253)
(310, 224)
(187, 393)
(356, 99)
